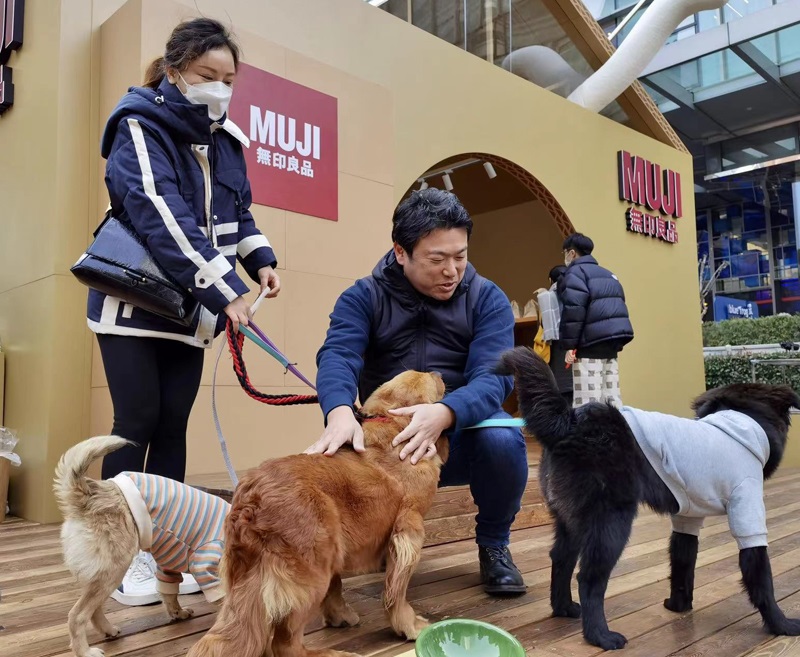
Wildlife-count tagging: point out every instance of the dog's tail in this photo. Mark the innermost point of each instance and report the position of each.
(242, 627)
(72, 488)
(548, 416)
(261, 587)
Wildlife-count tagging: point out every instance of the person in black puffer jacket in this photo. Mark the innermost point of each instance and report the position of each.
(595, 324)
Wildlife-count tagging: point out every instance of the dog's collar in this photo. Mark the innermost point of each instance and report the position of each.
(373, 418)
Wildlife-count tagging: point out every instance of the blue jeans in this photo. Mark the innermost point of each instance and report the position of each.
(494, 462)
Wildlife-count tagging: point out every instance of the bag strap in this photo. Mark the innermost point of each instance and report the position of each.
(109, 215)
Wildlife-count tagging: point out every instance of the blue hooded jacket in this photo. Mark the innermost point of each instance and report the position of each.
(181, 180)
(382, 326)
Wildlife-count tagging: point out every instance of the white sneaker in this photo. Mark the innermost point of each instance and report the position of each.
(139, 584)
(188, 585)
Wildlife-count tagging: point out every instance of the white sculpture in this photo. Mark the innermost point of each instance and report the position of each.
(545, 68)
(540, 64)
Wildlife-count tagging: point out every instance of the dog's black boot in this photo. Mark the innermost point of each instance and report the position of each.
(499, 575)
(678, 603)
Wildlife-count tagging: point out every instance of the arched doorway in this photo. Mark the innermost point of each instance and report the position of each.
(519, 224)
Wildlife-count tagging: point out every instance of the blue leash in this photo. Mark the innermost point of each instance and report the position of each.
(499, 422)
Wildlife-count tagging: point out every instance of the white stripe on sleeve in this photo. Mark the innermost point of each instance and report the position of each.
(250, 244)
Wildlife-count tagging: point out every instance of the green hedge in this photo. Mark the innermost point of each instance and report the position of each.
(765, 330)
(723, 370)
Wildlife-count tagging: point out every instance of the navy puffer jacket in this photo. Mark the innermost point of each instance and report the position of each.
(181, 180)
(594, 309)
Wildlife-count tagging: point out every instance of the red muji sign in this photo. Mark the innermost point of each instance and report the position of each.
(293, 159)
(647, 185)
(11, 19)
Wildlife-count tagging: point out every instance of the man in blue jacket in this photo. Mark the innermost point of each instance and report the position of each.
(595, 325)
(426, 308)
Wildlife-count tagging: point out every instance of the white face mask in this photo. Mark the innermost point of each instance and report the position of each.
(217, 95)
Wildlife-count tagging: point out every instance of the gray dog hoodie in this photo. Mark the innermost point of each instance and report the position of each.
(714, 466)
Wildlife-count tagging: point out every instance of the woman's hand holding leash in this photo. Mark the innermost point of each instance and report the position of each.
(239, 312)
(270, 281)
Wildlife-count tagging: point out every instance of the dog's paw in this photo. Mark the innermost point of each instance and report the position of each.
(608, 640)
(410, 629)
(420, 623)
(678, 605)
(113, 632)
(94, 652)
(342, 618)
(789, 627)
(181, 614)
(570, 610)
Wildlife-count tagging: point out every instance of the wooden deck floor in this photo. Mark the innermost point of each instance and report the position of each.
(37, 593)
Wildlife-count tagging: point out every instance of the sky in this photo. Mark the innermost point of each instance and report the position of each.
(594, 6)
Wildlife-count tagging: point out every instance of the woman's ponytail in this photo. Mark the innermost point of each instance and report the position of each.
(155, 73)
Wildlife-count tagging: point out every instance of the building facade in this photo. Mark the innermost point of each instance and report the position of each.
(729, 83)
(407, 105)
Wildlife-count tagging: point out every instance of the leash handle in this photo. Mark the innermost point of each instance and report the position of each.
(258, 301)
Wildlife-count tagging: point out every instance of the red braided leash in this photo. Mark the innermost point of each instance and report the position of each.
(236, 344)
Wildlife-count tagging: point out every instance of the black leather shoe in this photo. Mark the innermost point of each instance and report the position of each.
(499, 575)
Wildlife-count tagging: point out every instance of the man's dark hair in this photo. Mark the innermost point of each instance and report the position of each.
(580, 243)
(556, 273)
(425, 211)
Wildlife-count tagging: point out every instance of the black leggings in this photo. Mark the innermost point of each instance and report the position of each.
(153, 384)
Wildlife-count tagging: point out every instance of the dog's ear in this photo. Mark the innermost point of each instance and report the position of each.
(784, 399)
(443, 448)
(792, 398)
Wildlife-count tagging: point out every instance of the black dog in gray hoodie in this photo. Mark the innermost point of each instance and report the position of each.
(599, 463)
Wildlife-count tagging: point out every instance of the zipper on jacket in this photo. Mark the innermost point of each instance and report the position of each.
(207, 320)
(421, 340)
(212, 225)
(202, 154)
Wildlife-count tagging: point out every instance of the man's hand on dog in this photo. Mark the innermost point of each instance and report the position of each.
(342, 428)
(428, 422)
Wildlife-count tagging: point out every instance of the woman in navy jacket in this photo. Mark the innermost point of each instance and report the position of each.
(176, 170)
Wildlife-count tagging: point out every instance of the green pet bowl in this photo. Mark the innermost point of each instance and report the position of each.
(459, 637)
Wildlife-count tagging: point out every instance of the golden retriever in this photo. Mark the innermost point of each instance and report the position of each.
(300, 523)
